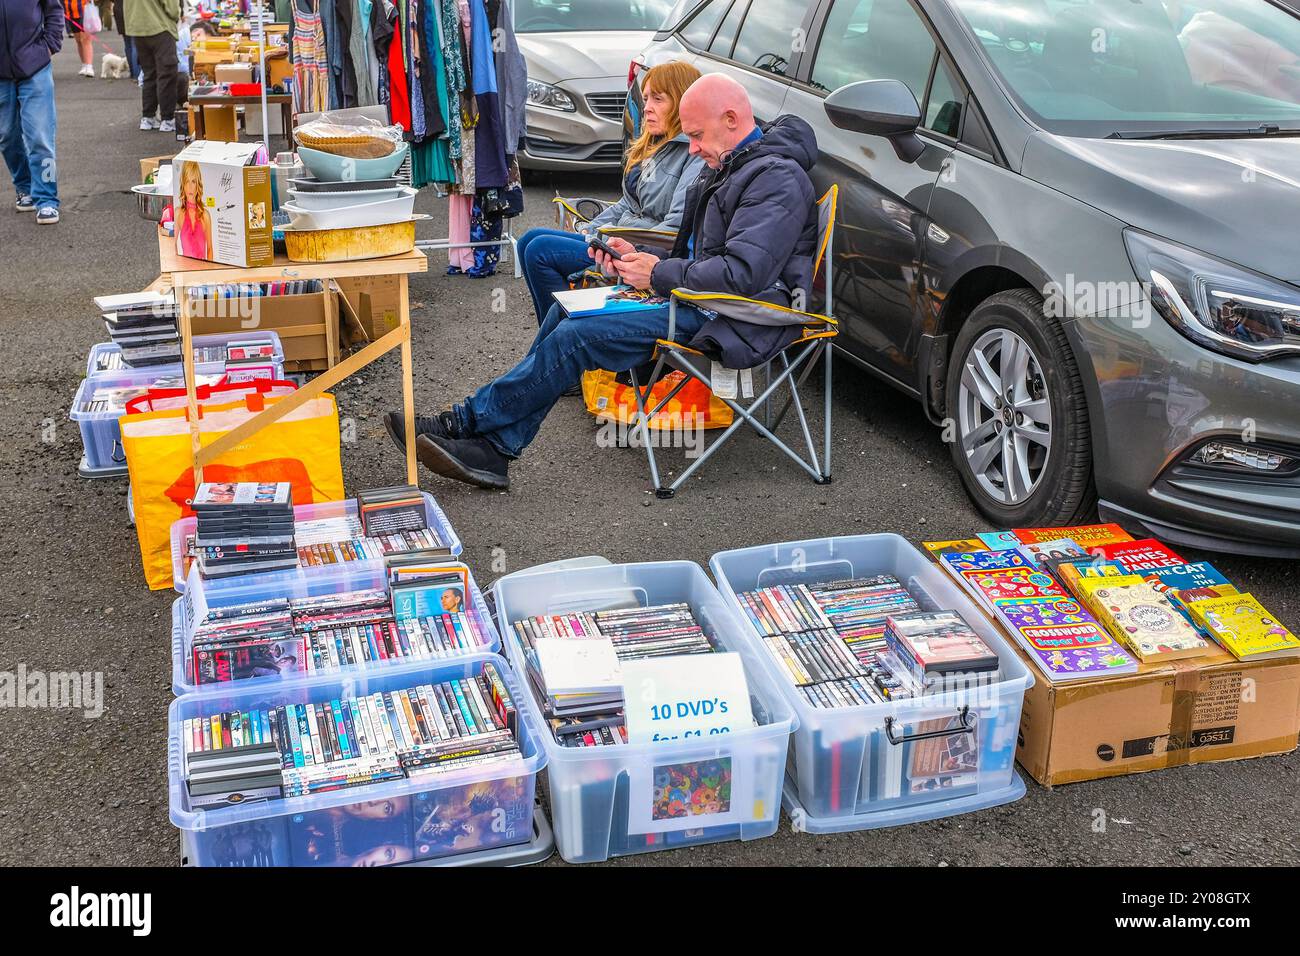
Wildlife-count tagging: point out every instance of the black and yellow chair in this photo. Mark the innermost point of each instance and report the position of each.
(792, 365)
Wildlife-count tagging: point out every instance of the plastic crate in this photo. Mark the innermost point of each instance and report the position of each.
(846, 760)
(601, 797)
(240, 589)
(102, 354)
(435, 518)
(385, 820)
(100, 435)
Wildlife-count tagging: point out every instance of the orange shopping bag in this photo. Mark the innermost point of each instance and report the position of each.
(302, 448)
(610, 401)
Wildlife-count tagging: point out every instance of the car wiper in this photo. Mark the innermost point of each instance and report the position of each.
(1266, 129)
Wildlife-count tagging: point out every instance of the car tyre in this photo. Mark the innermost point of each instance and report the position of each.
(1017, 417)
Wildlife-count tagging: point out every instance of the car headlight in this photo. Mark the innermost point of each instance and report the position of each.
(550, 97)
(1216, 304)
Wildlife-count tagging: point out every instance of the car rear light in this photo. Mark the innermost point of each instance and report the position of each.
(634, 69)
(1222, 453)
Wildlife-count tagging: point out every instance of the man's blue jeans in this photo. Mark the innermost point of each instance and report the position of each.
(548, 257)
(27, 127)
(509, 410)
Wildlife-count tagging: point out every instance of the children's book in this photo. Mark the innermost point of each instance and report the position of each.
(1141, 555)
(1087, 535)
(1063, 638)
(1146, 622)
(1245, 627)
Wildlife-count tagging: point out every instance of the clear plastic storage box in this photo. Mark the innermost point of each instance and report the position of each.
(601, 798)
(193, 606)
(435, 519)
(208, 352)
(100, 434)
(858, 768)
(400, 821)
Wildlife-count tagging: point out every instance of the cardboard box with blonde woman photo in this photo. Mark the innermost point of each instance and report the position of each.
(222, 204)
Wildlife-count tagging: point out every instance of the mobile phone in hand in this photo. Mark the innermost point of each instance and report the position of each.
(597, 243)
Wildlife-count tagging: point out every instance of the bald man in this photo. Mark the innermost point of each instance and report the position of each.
(749, 228)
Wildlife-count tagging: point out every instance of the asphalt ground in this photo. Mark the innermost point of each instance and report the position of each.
(81, 791)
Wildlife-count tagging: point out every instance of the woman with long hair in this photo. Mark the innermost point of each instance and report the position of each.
(659, 167)
(193, 222)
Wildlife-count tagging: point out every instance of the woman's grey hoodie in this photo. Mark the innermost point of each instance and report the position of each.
(660, 191)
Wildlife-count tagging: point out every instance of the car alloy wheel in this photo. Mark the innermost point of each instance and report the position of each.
(1004, 416)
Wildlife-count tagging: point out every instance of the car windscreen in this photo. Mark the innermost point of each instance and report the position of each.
(1145, 67)
(573, 16)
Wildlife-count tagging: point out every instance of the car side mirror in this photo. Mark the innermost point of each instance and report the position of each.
(879, 108)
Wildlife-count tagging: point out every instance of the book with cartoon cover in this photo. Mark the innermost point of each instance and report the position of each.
(1146, 622)
(1063, 638)
(1086, 535)
(1245, 627)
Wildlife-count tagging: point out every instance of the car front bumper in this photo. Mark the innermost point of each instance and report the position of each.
(1159, 398)
(578, 140)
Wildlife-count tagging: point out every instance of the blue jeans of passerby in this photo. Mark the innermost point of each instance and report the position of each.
(548, 257)
(27, 127)
(509, 410)
(132, 61)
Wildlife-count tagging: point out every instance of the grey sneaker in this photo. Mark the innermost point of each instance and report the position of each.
(48, 216)
(24, 204)
(167, 126)
(148, 122)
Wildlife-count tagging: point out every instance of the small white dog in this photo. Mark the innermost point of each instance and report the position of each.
(114, 67)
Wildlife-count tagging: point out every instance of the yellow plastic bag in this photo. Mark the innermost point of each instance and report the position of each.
(610, 401)
(302, 448)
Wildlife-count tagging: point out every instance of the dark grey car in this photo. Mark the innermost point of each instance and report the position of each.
(1068, 229)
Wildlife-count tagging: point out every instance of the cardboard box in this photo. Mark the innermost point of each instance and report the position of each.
(149, 164)
(303, 322)
(1198, 710)
(234, 72)
(220, 124)
(234, 198)
(374, 302)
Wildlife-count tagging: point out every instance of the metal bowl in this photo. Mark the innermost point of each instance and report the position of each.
(151, 204)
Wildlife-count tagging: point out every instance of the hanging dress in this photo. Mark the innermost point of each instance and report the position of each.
(310, 63)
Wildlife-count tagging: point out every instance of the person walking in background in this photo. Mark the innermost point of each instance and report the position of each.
(74, 14)
(152, 25)
(132, 61)
(31, 31)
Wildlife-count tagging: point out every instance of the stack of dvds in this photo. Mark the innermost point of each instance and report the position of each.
(386, 511)
(247, 641)
(595, 718)
(243, 528)
(232, 773)
(359, 628)
(938, 649)
(247, 359)
(827, 638)
(417, 731)
(114, 396)
(324, 541)
(143, 325)
(421, 589)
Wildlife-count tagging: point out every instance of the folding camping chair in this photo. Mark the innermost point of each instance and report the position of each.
(796, 362)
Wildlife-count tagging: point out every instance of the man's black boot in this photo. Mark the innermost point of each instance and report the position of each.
(444, 424)
(471, 460)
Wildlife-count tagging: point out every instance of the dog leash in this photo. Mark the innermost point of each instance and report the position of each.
(94, 37)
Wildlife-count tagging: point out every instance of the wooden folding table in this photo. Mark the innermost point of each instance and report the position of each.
(183, 272)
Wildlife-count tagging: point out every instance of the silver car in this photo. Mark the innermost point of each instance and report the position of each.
(578, 54)
(1067, 228)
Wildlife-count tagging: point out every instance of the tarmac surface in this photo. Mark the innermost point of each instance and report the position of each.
(94, 791)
